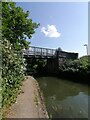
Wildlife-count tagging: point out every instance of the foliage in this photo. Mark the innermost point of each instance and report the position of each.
(16, 25)
(35, 66)
(80, 65)
(12, 72)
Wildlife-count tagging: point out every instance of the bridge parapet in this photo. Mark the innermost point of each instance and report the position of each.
(39, 52)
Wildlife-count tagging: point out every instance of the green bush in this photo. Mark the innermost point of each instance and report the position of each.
(12, 72)
(80, 65)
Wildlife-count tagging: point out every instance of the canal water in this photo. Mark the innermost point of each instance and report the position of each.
(63, 98)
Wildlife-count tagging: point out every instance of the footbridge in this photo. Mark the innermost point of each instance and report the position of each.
(52, 57)
(38, 53)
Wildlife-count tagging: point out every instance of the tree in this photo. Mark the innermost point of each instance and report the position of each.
(16, 26)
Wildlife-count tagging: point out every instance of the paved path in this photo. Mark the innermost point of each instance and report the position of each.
(26, 103)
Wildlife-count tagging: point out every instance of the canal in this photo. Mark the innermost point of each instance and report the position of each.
(63, 98)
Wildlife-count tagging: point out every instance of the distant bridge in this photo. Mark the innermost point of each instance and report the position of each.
(53, 57)
(37, 52)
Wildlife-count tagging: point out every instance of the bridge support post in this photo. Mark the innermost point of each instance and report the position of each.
(52, 65)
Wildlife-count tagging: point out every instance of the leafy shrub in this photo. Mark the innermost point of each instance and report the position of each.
(12, 72)
(80, 65)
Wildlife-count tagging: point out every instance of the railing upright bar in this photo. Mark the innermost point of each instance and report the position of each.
(41, 52)
(34, 51)
(52, 52)
(47, 52)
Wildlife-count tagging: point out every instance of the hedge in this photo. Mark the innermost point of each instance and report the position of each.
(12, 73)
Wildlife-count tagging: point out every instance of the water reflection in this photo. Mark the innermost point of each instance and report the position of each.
(65, 98)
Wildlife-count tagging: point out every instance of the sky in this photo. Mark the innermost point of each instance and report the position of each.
(62, 24)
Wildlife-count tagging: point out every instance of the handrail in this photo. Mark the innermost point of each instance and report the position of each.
(35, 51)
(42, 48)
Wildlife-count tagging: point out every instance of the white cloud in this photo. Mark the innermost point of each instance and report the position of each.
(50, 31)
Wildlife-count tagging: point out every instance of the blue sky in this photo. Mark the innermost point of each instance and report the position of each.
(62, 24)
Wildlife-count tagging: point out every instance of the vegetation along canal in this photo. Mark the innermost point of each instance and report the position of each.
(63, 98)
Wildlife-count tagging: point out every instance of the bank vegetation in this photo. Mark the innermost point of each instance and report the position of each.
(16, 26)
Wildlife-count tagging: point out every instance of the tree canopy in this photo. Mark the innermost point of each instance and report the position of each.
(16, 25)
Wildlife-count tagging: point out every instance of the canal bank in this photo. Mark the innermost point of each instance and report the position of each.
(69, 76)
(29, 104)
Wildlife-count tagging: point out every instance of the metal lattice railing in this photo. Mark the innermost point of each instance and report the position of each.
(37, 51)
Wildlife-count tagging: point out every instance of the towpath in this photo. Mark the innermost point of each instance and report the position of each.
(28, 103)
